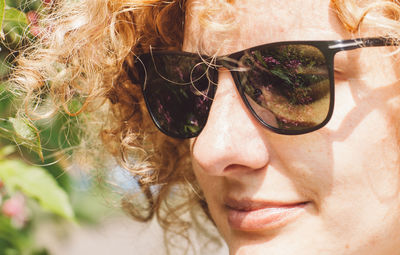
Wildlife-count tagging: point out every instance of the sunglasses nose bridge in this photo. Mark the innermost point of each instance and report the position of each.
(229, 124)
(227, 98)
(226, 67)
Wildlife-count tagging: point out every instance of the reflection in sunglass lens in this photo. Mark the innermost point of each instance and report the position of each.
(287, 86)
(179, 92)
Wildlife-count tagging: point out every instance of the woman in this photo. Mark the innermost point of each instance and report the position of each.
(275, 168)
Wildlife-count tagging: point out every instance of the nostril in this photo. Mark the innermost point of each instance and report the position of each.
(226, 157)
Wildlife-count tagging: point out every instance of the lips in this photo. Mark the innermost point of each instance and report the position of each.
(250, 215)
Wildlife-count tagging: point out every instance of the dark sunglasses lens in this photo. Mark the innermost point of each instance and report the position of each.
(178, 92)
(287, 86)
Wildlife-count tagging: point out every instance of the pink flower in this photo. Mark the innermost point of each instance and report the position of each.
(33, 17)
(179, 72)
(14, 208)
(35, 30)
(293, 64)
(271, 60)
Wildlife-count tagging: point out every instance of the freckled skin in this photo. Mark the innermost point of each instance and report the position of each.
(347, 171)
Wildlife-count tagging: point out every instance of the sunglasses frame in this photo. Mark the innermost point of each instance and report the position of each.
(327, 48)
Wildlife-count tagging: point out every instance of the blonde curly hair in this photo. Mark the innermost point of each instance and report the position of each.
(82, 57)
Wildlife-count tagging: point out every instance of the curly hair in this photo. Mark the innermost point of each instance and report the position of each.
(82, 58)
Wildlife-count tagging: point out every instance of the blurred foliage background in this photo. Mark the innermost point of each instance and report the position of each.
(34, 186)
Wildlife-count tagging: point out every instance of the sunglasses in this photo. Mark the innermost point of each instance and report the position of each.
(287, 86)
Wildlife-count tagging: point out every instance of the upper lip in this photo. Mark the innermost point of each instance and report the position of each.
(252, 205)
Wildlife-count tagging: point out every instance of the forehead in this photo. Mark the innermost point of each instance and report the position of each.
(249, 23)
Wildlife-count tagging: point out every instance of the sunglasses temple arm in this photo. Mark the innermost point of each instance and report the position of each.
(341, 45)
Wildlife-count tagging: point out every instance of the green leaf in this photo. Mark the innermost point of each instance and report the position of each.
(14, 27)
(7, 132)
(37, 183)
(23, 129)
(28, 133)
(278, 72)
(6, 99)
(25, 5)
(5, 65)
(6, 150)
(15, 15)
(2, 10)
(191, 128)
(260, 58)
(13, 3)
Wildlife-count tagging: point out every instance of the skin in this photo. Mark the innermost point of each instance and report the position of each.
(347, 172)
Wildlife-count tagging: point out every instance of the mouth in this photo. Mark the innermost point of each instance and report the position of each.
(249, 215)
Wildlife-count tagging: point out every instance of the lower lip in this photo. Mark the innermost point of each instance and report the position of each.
(265, 218)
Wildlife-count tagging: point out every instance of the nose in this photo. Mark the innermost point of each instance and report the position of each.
(232, 138)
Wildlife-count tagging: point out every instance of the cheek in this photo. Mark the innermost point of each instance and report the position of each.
(365, 132)
(368, 158)
(211, 188)
(209, 185)
(365, 148)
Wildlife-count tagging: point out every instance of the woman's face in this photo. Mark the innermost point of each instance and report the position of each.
(332, 191)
